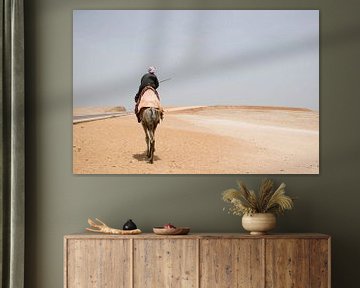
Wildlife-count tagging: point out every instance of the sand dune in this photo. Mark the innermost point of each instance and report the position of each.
(79, 111)
(203, 140)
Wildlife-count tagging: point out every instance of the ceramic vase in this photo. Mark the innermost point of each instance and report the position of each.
(259, 223)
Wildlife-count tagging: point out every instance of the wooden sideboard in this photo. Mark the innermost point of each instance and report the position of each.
(197, 260)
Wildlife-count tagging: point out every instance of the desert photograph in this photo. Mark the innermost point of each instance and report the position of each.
(243, 100)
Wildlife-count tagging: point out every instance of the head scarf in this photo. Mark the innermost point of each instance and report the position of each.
(152, 69)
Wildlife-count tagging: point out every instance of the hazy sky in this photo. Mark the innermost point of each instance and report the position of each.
(244, 57)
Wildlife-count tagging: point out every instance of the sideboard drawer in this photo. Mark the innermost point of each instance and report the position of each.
(98, 263)
(297, 263)
(231, 263)
(165, 263)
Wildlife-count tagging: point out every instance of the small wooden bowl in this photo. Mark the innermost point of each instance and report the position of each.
(171, 231)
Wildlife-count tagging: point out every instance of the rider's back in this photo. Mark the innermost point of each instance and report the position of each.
(149, 79)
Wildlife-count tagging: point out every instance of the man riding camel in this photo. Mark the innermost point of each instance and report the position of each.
(149, 79)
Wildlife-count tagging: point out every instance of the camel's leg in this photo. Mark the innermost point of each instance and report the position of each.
(152, 149)
(152, 146)
(152, 141)
(154, 135)
(147, 139)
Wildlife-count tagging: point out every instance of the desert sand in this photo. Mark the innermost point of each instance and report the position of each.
(203, 140)
(79, 111)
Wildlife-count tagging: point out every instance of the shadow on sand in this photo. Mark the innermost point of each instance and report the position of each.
(143, 157)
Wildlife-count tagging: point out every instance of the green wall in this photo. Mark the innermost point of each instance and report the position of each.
(58, 203)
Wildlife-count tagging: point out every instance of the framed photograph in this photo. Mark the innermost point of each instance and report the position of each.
(214, 91)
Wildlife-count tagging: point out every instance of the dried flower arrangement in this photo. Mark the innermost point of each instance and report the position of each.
(246, 202)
